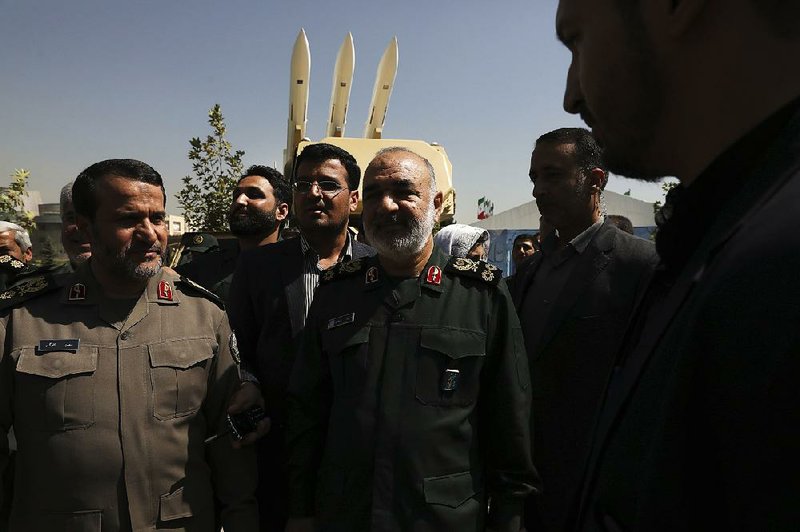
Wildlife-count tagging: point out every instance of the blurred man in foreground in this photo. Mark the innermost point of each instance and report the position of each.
(698, 429)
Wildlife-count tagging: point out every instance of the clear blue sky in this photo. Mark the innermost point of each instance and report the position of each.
(85, 80)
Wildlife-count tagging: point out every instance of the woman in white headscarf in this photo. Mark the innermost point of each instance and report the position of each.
(461, 240)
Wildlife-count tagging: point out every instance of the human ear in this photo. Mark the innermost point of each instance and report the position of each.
(282, 212)
(438, 203)
(597, 179)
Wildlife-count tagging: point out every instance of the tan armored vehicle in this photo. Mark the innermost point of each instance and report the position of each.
(363, 148)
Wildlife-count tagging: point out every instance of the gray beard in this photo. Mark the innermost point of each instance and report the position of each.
(410, 243)
(124, 266)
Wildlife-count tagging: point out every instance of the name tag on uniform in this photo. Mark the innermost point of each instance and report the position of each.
(72, 344)
(341, 320)
(450, 379)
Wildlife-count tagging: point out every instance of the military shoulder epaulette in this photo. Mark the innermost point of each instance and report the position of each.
(483, 271)
(208, 294)
(27, 289)
(10, 264)
(341, 270)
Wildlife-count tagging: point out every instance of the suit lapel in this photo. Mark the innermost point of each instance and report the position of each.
(656, 326)
(591, 262)
(292, 277)
(524, 279)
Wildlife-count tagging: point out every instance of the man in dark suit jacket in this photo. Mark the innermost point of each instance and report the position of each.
(574, 299)
(699, 429)
(259, 206)
(272, 290)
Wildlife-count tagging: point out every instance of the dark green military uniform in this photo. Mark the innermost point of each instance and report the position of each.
(409, 403)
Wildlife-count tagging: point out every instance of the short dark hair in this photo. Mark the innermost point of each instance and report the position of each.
(321, 152)
(524, 236)
(281, 187)
(621, 222)
(588, 154)
(83, 190)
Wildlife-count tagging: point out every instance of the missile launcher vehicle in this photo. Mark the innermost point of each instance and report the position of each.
(362, 148)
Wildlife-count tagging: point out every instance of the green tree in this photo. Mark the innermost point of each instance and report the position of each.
(46, 251)
(206, 195)
(12, 201)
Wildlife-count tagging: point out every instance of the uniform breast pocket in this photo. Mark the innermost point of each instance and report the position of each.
(54, 391)
(179, 376)
(348, 356)
(449, 364)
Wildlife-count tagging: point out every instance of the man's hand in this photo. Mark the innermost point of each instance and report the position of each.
(301, 524)
(248, 395)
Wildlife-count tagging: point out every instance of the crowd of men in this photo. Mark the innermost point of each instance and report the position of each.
(610, 385)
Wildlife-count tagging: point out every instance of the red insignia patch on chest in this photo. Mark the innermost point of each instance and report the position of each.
(434, 275)
(77, 292)
(164, 291)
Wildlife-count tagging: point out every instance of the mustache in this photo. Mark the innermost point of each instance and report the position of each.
(156, 248)
(393, 218)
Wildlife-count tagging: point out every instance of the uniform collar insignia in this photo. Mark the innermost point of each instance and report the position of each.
(164, 291)
(434, 275)
(371, 276)
(77, 292)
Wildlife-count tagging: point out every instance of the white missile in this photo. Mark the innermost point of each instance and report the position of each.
(298, 95)
(342, 82)
(384, 81)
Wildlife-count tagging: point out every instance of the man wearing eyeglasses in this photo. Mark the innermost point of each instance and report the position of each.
(259, 205)
(271, 291)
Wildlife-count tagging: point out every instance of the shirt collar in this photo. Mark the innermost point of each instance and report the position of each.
(579, 243)
(345, 255)
(82, 288)
(689, 212)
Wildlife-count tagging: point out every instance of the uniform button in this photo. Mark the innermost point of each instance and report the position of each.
(125, 335)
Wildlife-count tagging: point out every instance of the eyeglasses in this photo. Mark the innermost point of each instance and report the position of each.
(329, 189)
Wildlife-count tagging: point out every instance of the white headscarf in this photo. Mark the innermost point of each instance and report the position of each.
(458, 239)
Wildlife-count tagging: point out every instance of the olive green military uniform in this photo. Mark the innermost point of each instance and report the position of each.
(409, 403)
(111, 400)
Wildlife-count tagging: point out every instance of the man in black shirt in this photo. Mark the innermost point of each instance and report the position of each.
(698, 429)
(259, 205)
